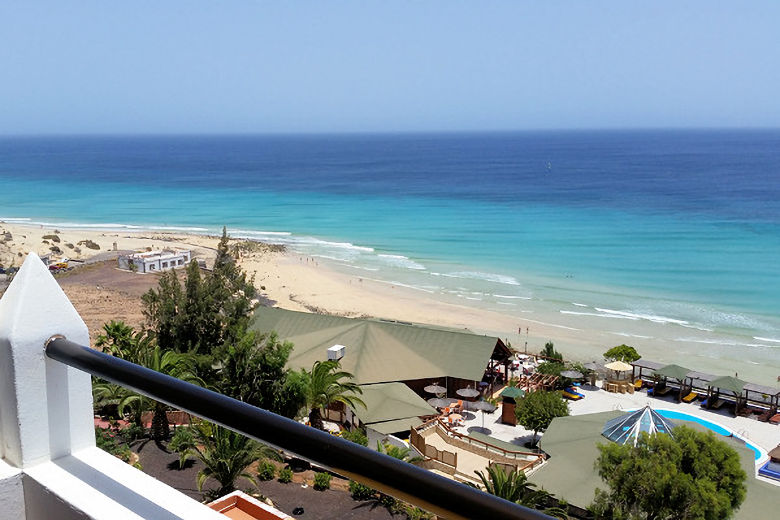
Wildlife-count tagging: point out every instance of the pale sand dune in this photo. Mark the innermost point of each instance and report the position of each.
(298, 283)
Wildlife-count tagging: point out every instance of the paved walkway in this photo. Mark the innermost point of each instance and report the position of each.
(468, 462)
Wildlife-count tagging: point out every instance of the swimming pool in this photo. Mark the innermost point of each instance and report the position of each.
(717, 428)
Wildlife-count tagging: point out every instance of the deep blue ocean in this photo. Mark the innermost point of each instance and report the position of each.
(667, 226)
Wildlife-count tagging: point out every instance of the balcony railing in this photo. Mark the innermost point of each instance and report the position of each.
(444, 497)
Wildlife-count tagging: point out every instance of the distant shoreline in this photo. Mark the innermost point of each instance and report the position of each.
(297, 282)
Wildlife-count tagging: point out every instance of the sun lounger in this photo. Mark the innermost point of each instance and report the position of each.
(690, 397)
(764, 417)
(775, 419)
(638, 384)
(717, 404)
(573, 397)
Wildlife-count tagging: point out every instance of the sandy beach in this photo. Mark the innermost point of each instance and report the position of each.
(309, 284)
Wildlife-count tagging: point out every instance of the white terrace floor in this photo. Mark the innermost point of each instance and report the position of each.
(763, 435)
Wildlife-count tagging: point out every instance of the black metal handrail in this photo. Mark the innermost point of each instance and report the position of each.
(449, 499)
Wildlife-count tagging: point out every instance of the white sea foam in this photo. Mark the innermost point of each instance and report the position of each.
(579, 304)
(109, 226)
(478, 275)
(599, 315)
(505, 297)
(724, 343)
(427, 289)
(648, 317)
(401, 261)
(247, 232)
(696, 327)
(760, 345)
(14, 219)
(507, 303)
(360, 267)
(627, 335)
(178, 228)
(552, 324)
(328, 257)
(771, 340)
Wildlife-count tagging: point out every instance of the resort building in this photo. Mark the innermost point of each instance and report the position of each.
(154, 261)
(392, 362)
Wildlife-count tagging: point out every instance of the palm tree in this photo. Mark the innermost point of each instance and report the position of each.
(142, 349)
(116, 338)
(404, 454)
(173, 364)
(225, 455)
(514, 486)
(326, 387)
(107, 398)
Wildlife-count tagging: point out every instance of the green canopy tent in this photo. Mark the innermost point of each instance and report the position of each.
(728, 384)
(508, 402)
(675, 372)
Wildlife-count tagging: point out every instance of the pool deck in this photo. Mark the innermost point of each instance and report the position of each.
(763, 435)
(763, 494)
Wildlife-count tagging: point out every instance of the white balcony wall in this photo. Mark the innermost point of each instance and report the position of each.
(50, 467)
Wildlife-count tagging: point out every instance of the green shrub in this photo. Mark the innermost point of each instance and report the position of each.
(360, 491)
(389, 502)
(107, 441)
(133, 432)
(266, 471)
(89, 243)
(415, 513)
(322, 481)
(285, 475)
(356, 436)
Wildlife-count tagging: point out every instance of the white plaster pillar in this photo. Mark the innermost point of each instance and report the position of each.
(45, 406)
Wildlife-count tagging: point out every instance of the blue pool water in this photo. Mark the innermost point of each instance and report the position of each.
(720, 430)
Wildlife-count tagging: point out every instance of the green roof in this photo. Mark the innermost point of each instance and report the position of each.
(513, 392)
(673, 371)
(400, 425)
(379, 351)
(732, 384)
(391, 401)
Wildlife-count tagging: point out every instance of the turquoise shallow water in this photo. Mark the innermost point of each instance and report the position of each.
(661, 227)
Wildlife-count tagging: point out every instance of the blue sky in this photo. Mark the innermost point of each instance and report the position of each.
(200, 66)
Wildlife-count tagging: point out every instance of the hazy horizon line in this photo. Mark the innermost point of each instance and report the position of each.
(316, 133)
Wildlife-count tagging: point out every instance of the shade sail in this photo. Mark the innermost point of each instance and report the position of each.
(513, 392)
(399, 425)
(390, 401)
(619, 366)
(732, 384)
(626, 428)
(673, 371)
